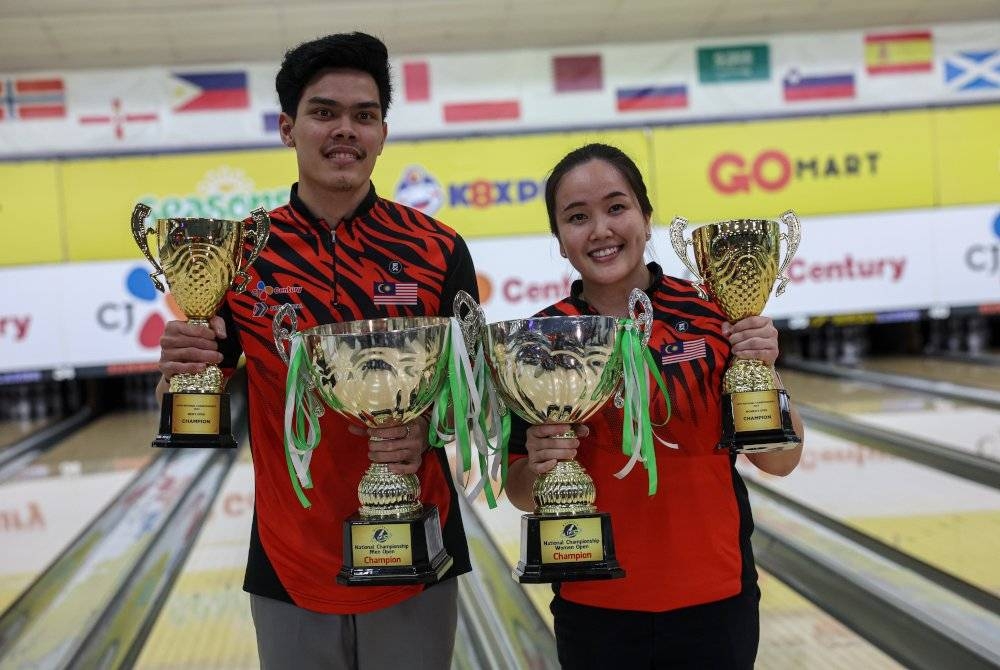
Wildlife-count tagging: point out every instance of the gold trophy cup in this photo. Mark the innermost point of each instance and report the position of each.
(200, 259)
(738, 261)
(562, 370)
(379, 373)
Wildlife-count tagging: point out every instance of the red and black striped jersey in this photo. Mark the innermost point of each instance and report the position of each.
(690, 542)
(385, 260)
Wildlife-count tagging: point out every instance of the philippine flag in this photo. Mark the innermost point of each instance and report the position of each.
(652, 97)
(821, 87)
(210, 91)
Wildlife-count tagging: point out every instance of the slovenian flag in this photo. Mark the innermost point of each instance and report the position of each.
(211, 91)
(820, 87)
(652, 97)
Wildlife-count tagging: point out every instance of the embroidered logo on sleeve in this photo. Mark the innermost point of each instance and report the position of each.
(682, 350)
(395, 293)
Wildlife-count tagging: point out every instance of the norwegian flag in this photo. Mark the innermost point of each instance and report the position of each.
(682, 350)
(31, 99)
(394, 293)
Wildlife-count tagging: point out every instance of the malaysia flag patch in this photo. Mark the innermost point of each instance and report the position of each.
(683, 350)
(395, 293)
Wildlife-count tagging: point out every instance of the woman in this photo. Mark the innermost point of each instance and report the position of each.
(689, 597)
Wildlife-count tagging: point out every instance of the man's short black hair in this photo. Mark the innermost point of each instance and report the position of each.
(354, 51)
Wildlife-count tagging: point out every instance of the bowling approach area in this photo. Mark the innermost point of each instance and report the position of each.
(878, 552)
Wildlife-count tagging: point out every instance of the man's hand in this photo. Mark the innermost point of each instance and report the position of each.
(186, 348)
(402, 447)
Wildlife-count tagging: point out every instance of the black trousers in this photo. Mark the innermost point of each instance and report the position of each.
(722, 634)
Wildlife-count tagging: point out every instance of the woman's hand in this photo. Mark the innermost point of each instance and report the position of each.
(753, 337)
(402, 447)
(544, 450)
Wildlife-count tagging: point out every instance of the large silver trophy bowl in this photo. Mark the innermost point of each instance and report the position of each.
(560, 370)
(380, 373)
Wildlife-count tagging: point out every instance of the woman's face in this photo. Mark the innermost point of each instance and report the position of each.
(602, 230)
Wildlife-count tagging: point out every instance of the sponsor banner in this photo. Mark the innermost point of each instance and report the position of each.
(967, 148)
(965, 244)
(814, 166)
(30, 201)
(894, 264)
(89, 314)
(450, 180)
(99, 194)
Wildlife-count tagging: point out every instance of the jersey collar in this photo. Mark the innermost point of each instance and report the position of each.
(302, 210)
(576, 288)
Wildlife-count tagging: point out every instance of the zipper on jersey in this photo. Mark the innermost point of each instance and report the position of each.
(333, 252)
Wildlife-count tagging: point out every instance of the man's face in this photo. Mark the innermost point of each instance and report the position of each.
(338, 131)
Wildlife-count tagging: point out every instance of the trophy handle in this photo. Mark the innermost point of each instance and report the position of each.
(471, 322)
(260, 232)
(139, 234)
(643, 320)
(677, 227)
(281, 334)
(792, 239)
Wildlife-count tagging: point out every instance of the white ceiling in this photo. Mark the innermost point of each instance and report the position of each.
(61, 34)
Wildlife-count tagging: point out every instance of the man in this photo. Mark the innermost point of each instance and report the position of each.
(330, 249)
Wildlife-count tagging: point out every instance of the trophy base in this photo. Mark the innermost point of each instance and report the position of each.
(195, 420)
(387, 552)
(566, 549)
(757, 421)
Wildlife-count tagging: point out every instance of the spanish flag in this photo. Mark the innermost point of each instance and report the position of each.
(892, 53)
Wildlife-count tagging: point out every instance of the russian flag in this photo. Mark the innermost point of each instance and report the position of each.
(822, 87)
(211, 91)
(652, 97)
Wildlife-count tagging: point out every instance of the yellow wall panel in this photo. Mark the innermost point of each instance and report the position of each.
(29, 213)
(968, 153)
(101, 193)
(488, 186)
(855, 163)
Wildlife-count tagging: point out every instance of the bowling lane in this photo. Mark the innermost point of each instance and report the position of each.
(948, 522)
(794, 633)
(205, 622)
(47, 504)
(960, 425)
(15, 430)
(956, 372)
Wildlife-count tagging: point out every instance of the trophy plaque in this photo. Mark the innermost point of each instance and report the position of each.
(201, 259)
(738, 262)
(561, 370)
(378, 373)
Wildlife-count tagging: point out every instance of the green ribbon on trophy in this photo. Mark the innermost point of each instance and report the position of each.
(638, 441)
(302, 431)
(479, 419)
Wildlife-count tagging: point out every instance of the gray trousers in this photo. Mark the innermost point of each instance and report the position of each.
(418, 633)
